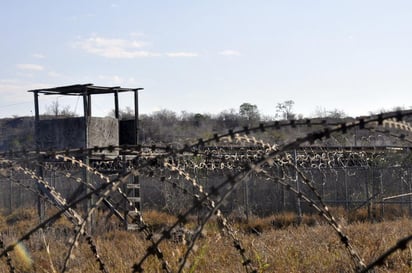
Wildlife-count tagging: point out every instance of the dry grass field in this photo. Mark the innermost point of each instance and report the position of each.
(277, 243)
(274, 244)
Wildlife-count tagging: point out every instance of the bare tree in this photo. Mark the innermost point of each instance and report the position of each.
(55, 109)
(228, 119)
(126, 113)
(284, 110)
(321, 112)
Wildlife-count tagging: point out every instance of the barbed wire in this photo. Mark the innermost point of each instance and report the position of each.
(206, 154)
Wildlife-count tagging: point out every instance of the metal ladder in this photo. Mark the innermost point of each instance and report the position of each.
(133, 197)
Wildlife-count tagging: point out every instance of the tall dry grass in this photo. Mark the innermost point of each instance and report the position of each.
(275, 244)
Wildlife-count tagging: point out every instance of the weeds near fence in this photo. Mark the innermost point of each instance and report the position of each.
(66, 238)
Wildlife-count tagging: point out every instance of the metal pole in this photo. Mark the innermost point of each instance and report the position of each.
(125, 189)
(40, 203)
(373, 207)
(89, 105)
(246, 197)
(381, 191)
(11, 193)
(87, 113)
(346, 191)
(116, 104)
(297, 187)
(367, 194)
(136, 179)
(410, 197)
(36, 119)
(402, 191)
(283, 191)
(136, 116)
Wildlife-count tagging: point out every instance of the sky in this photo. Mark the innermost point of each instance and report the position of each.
(209, 56)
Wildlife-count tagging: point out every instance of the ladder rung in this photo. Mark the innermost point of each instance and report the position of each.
(134, 199)
(133, 186)
(132, 213)
(132, 226)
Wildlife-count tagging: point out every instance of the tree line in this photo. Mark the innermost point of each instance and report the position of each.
(168, 126)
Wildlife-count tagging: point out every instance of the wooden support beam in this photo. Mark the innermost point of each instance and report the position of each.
(136, 116)
(116, 104)
(89, 105)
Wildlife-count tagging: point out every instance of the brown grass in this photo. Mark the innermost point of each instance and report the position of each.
(280, 245)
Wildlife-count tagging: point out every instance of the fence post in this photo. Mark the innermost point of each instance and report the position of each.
(246, 196)
(345, 177)
(11, 192)
(402, 190)
(410, 190)
(367, 192)
(381, 192)
(41, 204)
(283, 192)
(299, 208)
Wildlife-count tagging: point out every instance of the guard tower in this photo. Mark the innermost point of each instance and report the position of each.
(88, 128)
(88, 132)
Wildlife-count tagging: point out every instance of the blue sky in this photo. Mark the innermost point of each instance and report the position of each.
(210, 56)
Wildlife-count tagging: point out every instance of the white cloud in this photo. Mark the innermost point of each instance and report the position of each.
(15, 100)
(182, 54)
(14, 91)
(123, 48)
(229, 52)
(31, 67)
(16, 84)
(114, 48)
